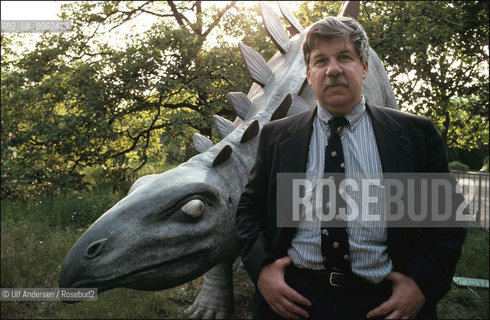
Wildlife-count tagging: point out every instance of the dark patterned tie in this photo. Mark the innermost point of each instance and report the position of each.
(335, 243)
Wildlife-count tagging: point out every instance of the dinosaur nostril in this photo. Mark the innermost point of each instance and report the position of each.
(95, 248)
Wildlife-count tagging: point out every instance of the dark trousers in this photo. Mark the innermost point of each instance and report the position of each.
(333, 302)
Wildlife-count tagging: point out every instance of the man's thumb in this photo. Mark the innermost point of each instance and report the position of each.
(285, 261)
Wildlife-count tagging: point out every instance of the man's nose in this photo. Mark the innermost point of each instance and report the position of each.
(333, 68)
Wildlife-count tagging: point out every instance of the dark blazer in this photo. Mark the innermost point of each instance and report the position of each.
(406, 143)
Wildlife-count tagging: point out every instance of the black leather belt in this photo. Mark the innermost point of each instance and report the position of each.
(335, 279)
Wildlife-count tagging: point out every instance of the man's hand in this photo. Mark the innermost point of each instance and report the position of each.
(281, 298)
(405, 301)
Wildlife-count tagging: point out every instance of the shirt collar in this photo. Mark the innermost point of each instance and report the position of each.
(353, 116)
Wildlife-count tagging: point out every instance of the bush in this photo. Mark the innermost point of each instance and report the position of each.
(485, 165)
(458, 166)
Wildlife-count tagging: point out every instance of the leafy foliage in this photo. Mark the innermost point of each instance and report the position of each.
(77, 100)
(437, 54)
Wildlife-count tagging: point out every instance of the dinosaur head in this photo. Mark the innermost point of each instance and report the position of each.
(170, 229)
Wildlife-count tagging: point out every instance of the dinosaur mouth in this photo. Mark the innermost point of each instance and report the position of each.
(144, 278)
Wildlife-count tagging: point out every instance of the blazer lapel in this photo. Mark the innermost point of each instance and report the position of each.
(293, 152)
(394, 149)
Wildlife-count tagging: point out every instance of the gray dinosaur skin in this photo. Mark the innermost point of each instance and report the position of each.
(148, 242)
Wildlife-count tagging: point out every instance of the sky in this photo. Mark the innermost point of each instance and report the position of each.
(30, 10)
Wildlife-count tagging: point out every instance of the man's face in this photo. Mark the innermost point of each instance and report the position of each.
(336, 73)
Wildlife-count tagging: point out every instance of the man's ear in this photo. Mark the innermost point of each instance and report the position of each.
(308, 75)
(365, 69)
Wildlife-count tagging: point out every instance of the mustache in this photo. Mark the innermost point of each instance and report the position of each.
(335, 81)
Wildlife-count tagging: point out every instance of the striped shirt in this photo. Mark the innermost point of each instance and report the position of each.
(367, 239)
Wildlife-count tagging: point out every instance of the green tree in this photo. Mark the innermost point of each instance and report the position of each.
(76, 100)
(437, 52)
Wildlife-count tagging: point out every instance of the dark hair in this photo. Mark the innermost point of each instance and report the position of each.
(332, 27)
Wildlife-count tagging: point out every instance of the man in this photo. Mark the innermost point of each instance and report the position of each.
(299, 272)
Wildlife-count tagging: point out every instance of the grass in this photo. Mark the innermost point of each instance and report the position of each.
(466, 302)
(37, 235)
(32, 256)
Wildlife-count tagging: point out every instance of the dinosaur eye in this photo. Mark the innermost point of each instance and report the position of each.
(193, 208)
